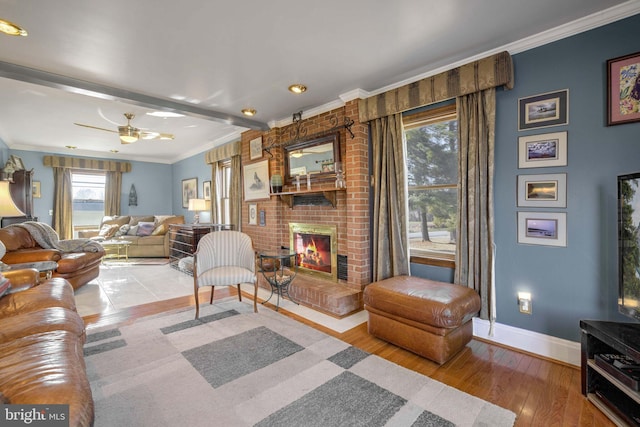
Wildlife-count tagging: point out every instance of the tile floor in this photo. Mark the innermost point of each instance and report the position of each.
(120, 286)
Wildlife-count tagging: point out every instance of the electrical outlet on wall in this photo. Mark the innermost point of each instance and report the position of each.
(50, 212)
(524, 302)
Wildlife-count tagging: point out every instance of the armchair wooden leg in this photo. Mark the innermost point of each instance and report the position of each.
(211, 300)
(239, 293)
(197, 303)
(255, 297)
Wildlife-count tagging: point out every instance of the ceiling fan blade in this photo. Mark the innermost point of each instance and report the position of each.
(96, 127)
(147, 134)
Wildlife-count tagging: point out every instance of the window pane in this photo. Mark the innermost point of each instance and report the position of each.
(432, 174)
(88, 200)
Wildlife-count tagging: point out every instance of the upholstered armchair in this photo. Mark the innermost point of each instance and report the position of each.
(224, 258)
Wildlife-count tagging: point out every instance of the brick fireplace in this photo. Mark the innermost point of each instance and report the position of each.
(334, 294)
(317, 249)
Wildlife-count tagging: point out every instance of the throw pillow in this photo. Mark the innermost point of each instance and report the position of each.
(133, 231)
(160, 230)
(108, 230)
(145, 228)
(122, 230)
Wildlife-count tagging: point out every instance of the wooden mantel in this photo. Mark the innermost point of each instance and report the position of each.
(289, 197)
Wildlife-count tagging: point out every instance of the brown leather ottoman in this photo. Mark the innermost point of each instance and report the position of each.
(429, 318)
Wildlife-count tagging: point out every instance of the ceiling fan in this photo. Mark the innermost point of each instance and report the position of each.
(129, 134)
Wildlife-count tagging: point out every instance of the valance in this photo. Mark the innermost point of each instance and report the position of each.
(223, 152)
(493, 71)
(80, 163)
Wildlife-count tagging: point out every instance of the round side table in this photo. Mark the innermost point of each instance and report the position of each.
(272, 266)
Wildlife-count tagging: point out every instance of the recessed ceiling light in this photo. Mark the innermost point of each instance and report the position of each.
(297, 88)
(114, 151)
(165, 114)
(71, 147)
(11, 29)
(249, 112)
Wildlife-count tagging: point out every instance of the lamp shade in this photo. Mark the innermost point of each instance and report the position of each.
(7, 206)
(198, 205)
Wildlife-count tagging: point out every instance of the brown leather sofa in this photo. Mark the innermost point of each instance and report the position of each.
(429, 318)
(41, 347)
(78, 268)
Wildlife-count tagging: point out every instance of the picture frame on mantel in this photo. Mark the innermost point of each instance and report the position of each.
(623, 89)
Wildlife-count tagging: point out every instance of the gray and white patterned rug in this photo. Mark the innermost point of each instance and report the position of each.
(236, 368)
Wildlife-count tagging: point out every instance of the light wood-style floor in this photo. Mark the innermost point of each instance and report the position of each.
(541, 392)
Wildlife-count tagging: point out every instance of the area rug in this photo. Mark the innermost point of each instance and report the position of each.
(233, 367)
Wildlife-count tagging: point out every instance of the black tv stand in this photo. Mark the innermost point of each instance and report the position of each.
(612, 396)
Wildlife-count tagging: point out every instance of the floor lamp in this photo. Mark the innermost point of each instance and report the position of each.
(7, 208)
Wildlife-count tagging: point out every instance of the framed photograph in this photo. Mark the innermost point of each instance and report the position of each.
(189, 191)
(253, 214)
(543, 150)
(206, 190)
(36, 189)
(544, 191)
(255, 179)
(255, 148)
(623, 89)
(263, 218)
(546, 109)
(17, 163)
(542, 228)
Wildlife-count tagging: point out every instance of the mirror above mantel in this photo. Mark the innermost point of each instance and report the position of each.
(315, 156)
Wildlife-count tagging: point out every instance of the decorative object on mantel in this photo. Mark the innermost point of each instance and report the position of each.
(297, 132)
(308, 181)
(133, 196)
(340, 182)
(297, 182)
(276, 183)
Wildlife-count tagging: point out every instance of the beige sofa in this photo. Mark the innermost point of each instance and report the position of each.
(148, 234)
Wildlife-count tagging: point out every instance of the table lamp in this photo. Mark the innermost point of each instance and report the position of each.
(7, 208)
(197, 205)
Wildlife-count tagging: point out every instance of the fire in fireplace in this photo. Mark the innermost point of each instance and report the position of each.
(316, 246)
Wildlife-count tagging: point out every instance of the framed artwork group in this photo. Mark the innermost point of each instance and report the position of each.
(540, 151)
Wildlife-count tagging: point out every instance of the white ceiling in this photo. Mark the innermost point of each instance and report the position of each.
(214, 58)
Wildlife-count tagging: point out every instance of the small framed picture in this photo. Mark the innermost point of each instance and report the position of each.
(623, 89)
(36, 190)
(189, 191)
(543, 150)
(548, 190)
(253, 214)
(17, 163)
(263, 218)
(255, 148)
(546, 109)
(542, 228)
(206, 190)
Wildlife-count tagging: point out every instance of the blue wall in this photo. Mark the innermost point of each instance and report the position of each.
(193, 167)
(578, 281)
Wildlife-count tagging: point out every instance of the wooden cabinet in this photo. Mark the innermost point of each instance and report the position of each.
(22, 193)
(184, 238)
(614, 393)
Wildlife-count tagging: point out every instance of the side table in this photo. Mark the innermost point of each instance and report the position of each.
(272, 266)
(116, 249)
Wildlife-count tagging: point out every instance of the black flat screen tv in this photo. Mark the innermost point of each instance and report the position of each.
(629, 245)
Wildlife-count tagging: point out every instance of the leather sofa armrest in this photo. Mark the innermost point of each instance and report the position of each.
(31, 255)
(22, 279)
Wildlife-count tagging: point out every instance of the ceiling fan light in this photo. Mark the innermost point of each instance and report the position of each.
(11, 29)
(128, 134)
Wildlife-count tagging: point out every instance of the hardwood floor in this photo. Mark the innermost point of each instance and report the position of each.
(541, 392)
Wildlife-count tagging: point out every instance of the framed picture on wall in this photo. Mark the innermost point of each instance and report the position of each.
(189, 191)
(255, 148)
(36, 190)
(542, 228)
(255, 178)
(206, 190)
(543, 110)
(547, 190)
(253, 214)
(623, 89)
(543, 150)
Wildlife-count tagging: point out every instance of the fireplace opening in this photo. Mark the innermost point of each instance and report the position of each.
(316, 248)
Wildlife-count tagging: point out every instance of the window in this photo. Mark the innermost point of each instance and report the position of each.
(88, 200)
(224, 203)
(432, 173)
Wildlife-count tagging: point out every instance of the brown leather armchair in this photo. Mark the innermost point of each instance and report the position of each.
(78, 268)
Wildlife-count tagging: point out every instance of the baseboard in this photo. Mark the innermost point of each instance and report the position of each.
(532, 342)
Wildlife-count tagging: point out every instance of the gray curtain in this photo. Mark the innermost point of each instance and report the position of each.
(112, 190)
(235, 192)
(62, 203)
(390, 195)
(474, 248)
